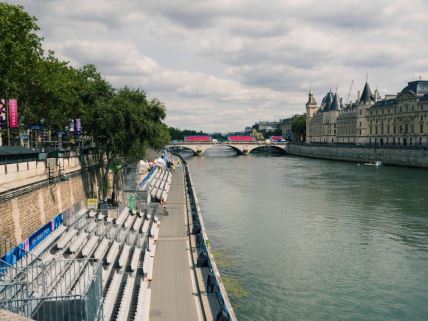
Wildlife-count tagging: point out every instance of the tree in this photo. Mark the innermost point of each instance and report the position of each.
(20, 50)
(298, 128)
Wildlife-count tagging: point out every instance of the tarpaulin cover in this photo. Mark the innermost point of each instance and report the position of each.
(197, 138)
(241, 138)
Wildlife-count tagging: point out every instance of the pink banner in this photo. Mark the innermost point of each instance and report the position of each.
(13, 113)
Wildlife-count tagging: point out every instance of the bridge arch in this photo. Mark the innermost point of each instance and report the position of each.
(278, 148)
(236, 149)
(189, 148)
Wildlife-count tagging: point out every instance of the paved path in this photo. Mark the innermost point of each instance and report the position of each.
(172, 297)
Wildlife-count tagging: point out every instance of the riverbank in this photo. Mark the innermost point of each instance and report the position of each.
(387, 155)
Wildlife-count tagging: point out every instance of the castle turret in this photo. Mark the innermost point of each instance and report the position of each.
(366, 100)
(311, 108)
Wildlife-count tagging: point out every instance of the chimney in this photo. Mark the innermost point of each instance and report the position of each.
(358, 96)
(341, 101)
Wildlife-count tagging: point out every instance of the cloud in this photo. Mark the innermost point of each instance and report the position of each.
(224, 64)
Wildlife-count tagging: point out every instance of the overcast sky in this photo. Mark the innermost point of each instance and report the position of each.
(221, 65)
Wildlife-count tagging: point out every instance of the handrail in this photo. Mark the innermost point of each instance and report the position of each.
(221, 293)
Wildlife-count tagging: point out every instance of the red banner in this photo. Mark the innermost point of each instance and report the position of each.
(13, 113)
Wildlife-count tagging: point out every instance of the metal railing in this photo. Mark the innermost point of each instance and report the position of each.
(202, 238)
(56, 290)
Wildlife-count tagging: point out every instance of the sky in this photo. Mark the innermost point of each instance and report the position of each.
(221, 65)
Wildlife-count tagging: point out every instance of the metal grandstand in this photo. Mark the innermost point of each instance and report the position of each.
(93, 266)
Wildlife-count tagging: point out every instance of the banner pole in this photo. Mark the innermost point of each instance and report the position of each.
(7, 119)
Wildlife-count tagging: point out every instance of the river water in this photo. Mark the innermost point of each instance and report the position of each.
(308, 239)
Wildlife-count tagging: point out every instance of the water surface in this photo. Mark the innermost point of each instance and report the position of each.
(316, 239)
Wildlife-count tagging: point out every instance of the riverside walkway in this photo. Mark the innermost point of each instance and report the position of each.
(173, 286)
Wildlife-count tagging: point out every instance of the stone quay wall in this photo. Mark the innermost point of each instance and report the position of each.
(417, 157)
(25, 208)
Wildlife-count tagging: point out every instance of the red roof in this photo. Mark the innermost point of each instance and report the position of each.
(197, 138)
(276, 138)
(241, 138)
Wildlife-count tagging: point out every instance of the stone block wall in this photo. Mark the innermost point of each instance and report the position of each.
(389, 156)
(21, 216)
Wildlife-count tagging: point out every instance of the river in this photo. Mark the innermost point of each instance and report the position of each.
(309, 239)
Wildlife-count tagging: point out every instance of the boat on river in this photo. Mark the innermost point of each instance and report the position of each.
(376, 164)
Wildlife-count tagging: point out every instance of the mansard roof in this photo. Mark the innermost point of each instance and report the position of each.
(366, 96)
(424, 98)
(385, 102)
(418, 87)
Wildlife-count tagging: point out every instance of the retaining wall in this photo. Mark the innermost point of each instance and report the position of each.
(389, 156)
(29, 200)
(22, 215)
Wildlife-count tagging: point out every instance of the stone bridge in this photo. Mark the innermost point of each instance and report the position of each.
(242, 148)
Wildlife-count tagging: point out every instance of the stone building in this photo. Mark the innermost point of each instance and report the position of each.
(400, 119)
(285, 126)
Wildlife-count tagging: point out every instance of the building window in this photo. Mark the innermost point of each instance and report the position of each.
(376, 130)
(422, 128)
(381, 130)
(370, 130)
(387, 129)
(406, 129)
(395, 129)
(361, 112)
(401, 129)
(360, 124)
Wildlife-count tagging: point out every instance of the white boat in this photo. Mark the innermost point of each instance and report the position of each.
(376, 164)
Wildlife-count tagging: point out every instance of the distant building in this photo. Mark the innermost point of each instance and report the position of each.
(285, 126)
(265, 126)
(400, 119)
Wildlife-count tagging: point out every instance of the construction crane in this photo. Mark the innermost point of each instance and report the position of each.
(349, 92)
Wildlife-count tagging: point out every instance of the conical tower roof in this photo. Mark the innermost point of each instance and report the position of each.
(366, 96)
(326, 101)
(335, 103)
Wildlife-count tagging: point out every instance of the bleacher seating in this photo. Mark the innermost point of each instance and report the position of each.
(126, 299)
(122, 240)
(143, 307)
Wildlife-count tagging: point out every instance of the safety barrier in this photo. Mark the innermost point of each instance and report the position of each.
(218, 287)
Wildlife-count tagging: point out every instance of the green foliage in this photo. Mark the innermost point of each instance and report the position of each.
(123, 123)
(20, 52)
(299, 127)
(178, 134)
